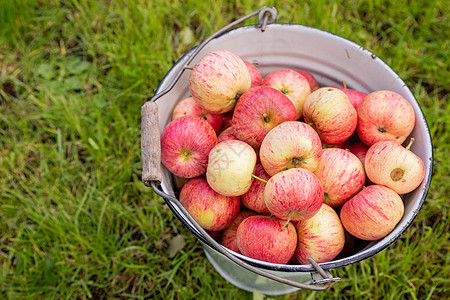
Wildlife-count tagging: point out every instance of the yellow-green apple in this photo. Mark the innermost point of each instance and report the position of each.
(295, 194)
(229, 234)
(218, 80)
(211, 210)
(254, 198)
(372, 213)
(321, 237)
(291, 144)
(341, 174)
(258, 111)
(267, 239)
(360, 150)
(355, 97)
(189, 106)
(255, 75)
(231, 164)
(226, 134)
(291, 83)
(311, 79)
(389, 163)
(331, 113)
(384, 116)
(185, 146)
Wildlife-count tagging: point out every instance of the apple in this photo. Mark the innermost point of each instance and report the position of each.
(384, 115)
(331, 113)
(295, 194)
(185, 146)
(360, 150)
(321, 237)
(254, 198)
(211, 210)
(341, 174)
(291, 83)
(255, 75)
(226, 134)
(218, 80)
(258, 111)
(291, 144)
(229, 234)
(189, 106)
(230, 167)
(390, 164)
(311, 79)
(355, 97)
(267, 239)
(372, 213)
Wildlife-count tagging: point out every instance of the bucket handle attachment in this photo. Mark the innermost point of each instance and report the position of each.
(152, 176)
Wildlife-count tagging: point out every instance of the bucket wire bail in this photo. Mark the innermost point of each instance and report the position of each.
(151, 159)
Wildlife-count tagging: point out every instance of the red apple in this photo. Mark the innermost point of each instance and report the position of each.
(331, 113)
(291, 83)
(258, 111)
(218, 80)
(321, 237)
(384, 116)
(230, 167)
(185, 146)
(389, 163)
(341, 174)
(211, 210)
(295, 194)
(255, 75)
(355, 97)
(267, 239)
(360, 150)
(291, 144)
(311, 79)
(189, 106)
(372, 213)
(229, 234)
(226, 134)
(254, 198)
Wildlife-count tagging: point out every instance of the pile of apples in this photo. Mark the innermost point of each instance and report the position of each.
(280, 169)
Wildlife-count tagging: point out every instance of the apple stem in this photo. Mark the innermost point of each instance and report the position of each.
(344, 84)
(287, 223)
(188, 67)
(410, 143)
(260, 179)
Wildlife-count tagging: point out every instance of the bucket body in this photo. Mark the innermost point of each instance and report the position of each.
(331, 59)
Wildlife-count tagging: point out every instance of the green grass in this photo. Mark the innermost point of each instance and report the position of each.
(75, 220)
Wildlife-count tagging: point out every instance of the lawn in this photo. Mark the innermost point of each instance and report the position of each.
(76, 222)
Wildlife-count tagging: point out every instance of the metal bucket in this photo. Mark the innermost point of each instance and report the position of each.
(270, 46)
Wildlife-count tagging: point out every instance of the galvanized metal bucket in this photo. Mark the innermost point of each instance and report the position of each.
(270, 46)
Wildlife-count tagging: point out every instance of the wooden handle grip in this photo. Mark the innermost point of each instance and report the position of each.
(150, 144)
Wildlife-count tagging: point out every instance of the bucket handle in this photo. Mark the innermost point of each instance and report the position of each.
(152, 176)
